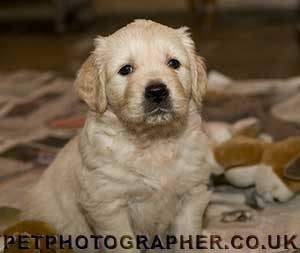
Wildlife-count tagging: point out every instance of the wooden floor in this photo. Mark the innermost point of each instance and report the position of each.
(239, 44)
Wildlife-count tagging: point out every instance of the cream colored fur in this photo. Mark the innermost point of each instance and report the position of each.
(128, 173)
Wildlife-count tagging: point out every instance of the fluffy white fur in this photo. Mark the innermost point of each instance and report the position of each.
(128, 172)
(269, 186)
(242, 176)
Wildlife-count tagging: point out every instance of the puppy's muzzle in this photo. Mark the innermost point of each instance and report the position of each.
(156, 93)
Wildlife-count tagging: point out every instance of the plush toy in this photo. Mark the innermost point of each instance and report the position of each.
(248, 158)
(31, 228)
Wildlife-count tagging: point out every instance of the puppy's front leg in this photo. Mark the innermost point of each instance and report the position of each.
(117, 225)
(188, 222)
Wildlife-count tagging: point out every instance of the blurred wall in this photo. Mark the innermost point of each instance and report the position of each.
(111, 6)
(115, 6)
(287, 4)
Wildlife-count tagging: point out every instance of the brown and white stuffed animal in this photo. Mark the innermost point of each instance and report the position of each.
(248, 159)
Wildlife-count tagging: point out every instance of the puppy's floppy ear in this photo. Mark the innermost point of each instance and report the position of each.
(90, 86)
(198, 69)
(199, 84)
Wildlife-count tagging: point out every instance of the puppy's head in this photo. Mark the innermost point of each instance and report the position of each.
(146, 73)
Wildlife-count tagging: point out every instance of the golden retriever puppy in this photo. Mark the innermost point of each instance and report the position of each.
(139, 166)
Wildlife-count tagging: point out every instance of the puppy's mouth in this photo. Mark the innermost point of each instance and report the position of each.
(158, 111)
(158, 114)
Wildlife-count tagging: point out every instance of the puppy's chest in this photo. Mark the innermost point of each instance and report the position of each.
(168, 172)
(151, 179)
(173, 166)
(140, 169)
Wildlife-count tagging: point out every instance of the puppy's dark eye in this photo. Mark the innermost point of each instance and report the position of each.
(126, 70)
(174, 64)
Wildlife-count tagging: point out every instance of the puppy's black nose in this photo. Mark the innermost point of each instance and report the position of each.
(156, 92)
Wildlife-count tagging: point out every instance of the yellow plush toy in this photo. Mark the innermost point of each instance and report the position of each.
(30, 228)
(248, 158)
